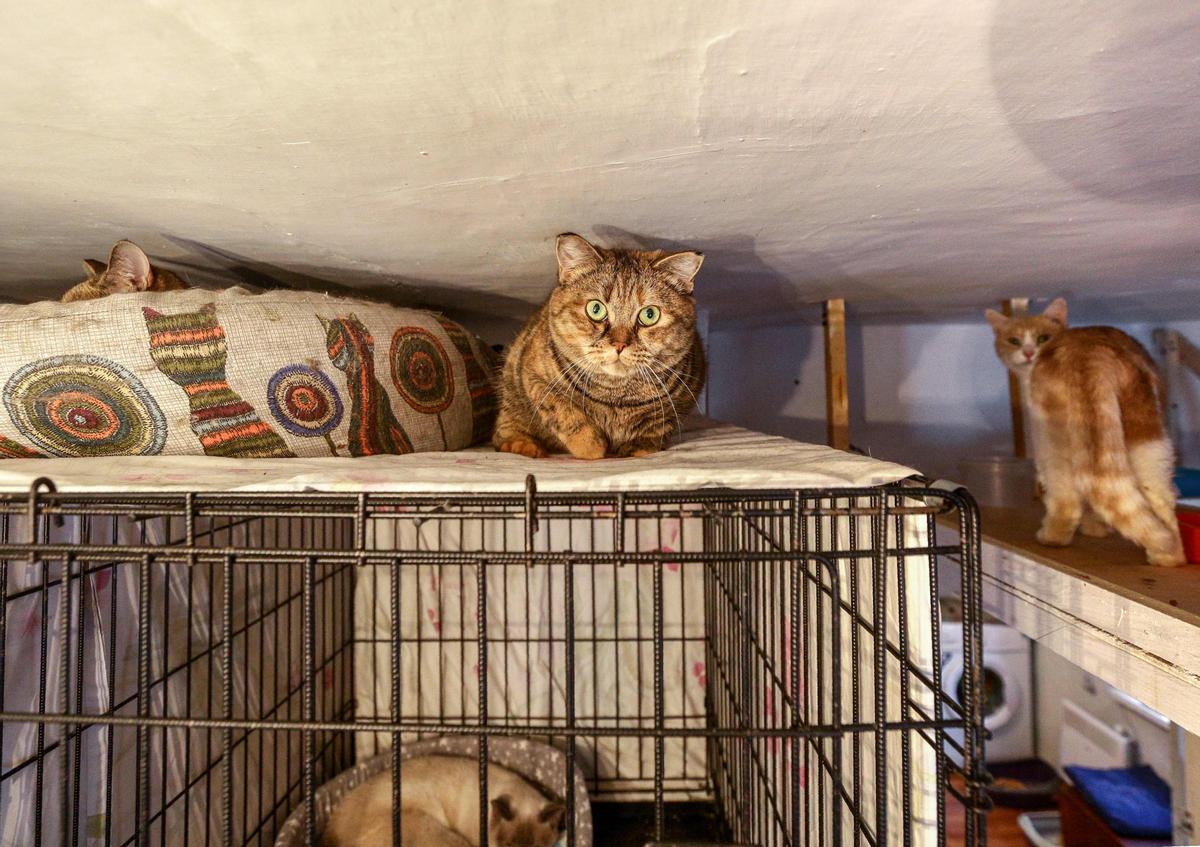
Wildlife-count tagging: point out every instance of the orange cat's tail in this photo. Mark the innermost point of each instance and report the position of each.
(1131, 464)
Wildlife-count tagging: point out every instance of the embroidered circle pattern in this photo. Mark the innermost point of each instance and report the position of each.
(421, 370)
(304, 400)
(84, 406)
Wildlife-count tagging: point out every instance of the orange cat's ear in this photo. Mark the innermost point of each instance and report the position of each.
(127, 263)
(94, 267)
(575, 256)
(1057, 311)
(681, 268)
(996, 319)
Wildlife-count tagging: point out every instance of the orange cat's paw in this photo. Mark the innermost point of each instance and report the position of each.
(522, 447)
(1166, 559)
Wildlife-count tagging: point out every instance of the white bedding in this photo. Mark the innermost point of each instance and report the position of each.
(709, 455)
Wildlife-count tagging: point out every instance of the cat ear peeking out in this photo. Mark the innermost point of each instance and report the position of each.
(1102, 452)
(128, 270)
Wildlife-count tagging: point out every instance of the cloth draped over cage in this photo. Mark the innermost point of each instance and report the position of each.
(690, 615)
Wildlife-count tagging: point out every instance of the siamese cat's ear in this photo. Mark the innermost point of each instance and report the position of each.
(502, 808)
(94, 267)
(553, 815)
(996, 319)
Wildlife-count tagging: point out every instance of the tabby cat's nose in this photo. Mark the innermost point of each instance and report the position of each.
(620, 339)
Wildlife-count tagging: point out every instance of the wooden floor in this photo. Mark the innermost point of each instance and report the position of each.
(1002, 830)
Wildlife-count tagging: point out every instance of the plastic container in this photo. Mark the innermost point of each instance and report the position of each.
(998, 480)
(1189, 530)
(1043, 829)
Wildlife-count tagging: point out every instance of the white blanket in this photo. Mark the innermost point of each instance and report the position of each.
(709, 455)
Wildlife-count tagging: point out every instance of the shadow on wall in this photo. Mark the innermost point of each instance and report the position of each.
(761, 290)
(925, 411)
(217, 267)
(1106, 95)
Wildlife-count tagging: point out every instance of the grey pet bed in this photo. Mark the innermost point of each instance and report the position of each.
(539, 763)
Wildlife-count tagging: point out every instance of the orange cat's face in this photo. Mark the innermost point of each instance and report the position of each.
(1019, 340)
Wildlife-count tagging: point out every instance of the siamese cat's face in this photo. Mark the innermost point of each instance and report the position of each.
(510, 829)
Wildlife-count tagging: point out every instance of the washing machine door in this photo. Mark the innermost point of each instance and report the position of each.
(1001, 695)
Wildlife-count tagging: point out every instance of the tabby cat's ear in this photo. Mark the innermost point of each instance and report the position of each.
(94, 267)
(324, 323)
(129, 264)
(996, 319)
(1057, 311)
(575, 256)
(681, 269)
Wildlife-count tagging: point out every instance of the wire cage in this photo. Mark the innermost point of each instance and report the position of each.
(764, 665)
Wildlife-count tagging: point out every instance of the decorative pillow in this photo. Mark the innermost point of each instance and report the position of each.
(235, 374)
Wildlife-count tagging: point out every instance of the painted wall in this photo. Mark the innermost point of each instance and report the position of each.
(921, 394)
(906, 155)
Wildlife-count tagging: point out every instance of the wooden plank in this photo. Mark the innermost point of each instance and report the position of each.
(837, 398)
(1014, 307)
(1187, 824)
(1098, 605)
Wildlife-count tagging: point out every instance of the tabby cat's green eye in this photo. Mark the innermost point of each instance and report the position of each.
(1042, 339)
(1015, 342)
(596, 310)
(649, 315)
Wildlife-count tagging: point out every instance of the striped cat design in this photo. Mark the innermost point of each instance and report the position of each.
(189, 349)
(373, 427)
(481, 383)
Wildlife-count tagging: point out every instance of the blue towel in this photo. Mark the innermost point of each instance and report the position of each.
(1187, 480)
(1133, 801)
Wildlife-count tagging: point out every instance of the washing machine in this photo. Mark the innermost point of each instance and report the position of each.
(1007, 683)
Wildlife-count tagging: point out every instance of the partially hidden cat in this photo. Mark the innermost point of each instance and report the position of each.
(1103, 455)
(439, 807)
(611, 363)
(128, 270)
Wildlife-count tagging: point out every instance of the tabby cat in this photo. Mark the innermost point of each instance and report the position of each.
(611, 362)
(439, 807)
(1103, 456)
(128, 269)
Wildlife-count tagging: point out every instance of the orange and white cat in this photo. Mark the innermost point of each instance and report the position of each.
(128, 270)
(1103, 455)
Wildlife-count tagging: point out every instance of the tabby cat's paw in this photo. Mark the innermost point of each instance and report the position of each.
(522, 447)
(586, 444)
(637, 451)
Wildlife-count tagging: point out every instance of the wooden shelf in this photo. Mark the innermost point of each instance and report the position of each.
(1112, 563)
(1099, 605)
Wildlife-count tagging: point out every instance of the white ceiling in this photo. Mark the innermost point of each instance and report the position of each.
(905, 155)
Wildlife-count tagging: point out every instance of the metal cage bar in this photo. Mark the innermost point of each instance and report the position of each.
(192, 668)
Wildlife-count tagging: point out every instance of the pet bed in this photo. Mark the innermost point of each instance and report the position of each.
(540, 764)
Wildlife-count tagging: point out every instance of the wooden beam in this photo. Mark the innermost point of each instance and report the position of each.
(1015, 307)
(837, 397)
